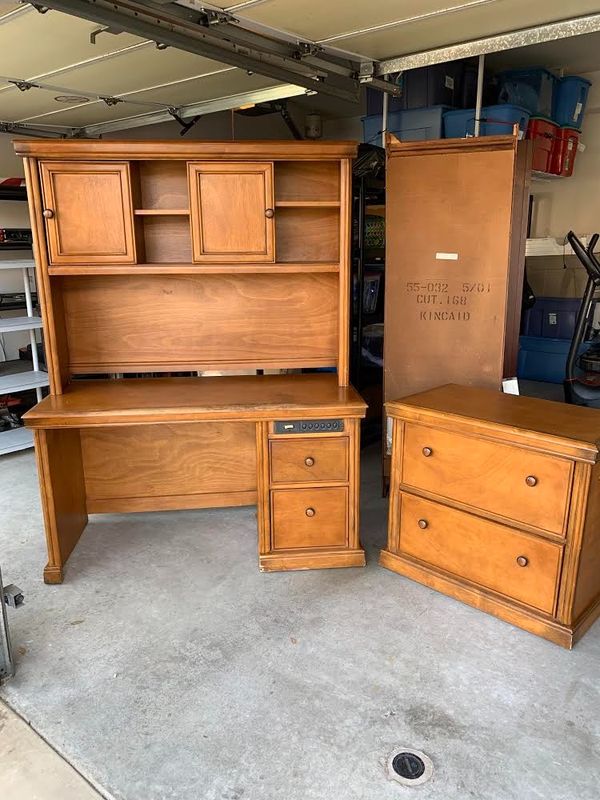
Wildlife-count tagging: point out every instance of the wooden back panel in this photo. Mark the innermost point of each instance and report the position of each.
(449, 230)
(129, 323)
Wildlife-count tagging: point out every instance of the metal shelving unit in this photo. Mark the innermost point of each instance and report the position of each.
(11, 383)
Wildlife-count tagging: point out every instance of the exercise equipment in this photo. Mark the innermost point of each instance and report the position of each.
(582, 377)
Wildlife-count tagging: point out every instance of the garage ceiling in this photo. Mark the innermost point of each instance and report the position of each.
(112, 81)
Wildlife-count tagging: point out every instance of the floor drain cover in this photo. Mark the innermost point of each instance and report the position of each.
(409, 767)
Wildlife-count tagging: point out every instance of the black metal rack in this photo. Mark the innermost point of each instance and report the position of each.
(368, 270)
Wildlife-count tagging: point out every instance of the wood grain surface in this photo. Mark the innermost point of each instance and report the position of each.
(488, 475)
(143, 400)
(211, 321)
(480, 551)
(163, 460)
(293, 528)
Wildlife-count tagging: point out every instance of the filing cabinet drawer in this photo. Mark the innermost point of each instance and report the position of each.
(306, 460)
(523, 485)
(309, 518)
(521, 566)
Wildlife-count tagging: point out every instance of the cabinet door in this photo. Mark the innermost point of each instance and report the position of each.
(88, 213)
(232, 211)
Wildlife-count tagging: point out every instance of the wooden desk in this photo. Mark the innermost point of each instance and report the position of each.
(495, 501)
(173, 443)
(171, 257)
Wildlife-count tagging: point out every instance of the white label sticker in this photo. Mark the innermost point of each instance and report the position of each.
(510, 386)
(446, 256)
(552, 318)
(578, 109)
(449, 82)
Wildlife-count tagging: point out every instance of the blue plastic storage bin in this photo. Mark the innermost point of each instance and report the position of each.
(570, 98)
(415, 124)
(531, 88)
(551, 317)
(495, 121)
(542, 359)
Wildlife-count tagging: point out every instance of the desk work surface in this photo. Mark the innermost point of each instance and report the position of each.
(138, 400)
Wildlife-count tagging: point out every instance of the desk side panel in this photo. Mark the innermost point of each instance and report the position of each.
(62, 490)
(168, 466)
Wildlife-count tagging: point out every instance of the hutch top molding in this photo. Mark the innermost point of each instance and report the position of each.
(167, 149)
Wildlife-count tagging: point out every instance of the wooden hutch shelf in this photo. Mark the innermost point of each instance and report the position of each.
(192, 269)
(162, 257)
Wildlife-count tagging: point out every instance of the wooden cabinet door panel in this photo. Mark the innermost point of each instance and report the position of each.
(88, 213)
(232, 211)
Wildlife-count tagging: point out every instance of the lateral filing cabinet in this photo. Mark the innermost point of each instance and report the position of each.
(495, 500)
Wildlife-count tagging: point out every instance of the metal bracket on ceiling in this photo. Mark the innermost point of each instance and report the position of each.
(24, 86)
(103, 29)
(111, 101)
(368, 75)
(185, 125)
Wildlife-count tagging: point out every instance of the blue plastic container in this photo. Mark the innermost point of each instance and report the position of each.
(542, 359)
(495, 121)
(531, 88)
(551, 317)
(570, 98)
(415, 124)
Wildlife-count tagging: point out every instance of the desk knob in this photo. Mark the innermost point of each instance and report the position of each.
(531, 480)
(310, 512)
(309, 461)
(47, 213)
(427, 451)
(269, 213)
(423, 524)
(522, 561)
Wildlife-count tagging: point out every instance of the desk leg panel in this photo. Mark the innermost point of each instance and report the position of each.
(62, 490)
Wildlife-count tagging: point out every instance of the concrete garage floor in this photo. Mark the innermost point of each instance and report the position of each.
(167, 667)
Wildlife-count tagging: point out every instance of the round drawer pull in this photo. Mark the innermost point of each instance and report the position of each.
(47, 213)
(309, 461)
(269, 213)
(310, 512)
(423, 524)
(522, 561)
(427, 451)
(531, 480)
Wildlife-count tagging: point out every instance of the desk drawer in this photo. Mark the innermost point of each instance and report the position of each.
(307, 460)
(309, 518)
(488, 475)
(521, 566)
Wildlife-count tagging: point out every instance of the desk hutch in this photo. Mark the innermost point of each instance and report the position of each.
(170, 257)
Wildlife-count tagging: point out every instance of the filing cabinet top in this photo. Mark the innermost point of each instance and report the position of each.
(573, 431)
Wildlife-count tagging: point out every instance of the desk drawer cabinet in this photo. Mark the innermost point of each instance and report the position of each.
(495, 500)
(310, 488)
